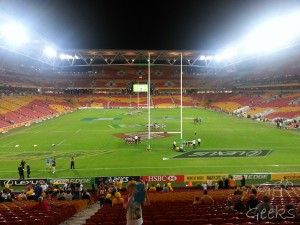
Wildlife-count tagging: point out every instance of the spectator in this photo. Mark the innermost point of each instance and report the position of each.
(152, 188)
(289, 211)
(169, 185)
(238, 191)
(101, 194)
(158, 187)
(196, 200)
(253, 190)
(232, 182)
(284, 183)
(86, 195)
(29, 186)
(165, 188)
(206, 199)
(209, 183)
(6, 196)
(252, 202)
(226, 183)
(68, 195)
(134, 208)
(239, 205)
(60, 195)
(118, 200)
(38, 190)
(22, 197)
(229, 206)
(264, 210)
(243, 181)
(221, 183)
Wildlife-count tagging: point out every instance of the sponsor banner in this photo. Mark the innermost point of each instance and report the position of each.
(203, 177)
(252, 176)
(289, 176)
(164, 178)
(124, 179)
(88, 180)
(17, 182)
(224, 153)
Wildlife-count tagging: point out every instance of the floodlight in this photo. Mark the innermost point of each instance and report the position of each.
(65, 56)
(50, 52)
(273, 34)
(226, 54)
(14, 34)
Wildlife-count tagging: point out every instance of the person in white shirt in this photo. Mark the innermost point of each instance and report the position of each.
(209, 183)
(199, 141)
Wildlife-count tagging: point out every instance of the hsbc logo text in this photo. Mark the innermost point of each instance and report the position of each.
(162, 178)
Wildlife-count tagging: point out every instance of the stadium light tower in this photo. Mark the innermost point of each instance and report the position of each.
(13, 34)
(50, 52)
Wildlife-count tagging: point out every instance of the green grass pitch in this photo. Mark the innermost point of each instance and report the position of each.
(91, 136)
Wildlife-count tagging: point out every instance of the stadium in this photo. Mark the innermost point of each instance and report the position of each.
(161, 116)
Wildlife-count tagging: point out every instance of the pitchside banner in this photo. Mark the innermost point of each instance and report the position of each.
(204, 177)
(123, 179)
(17, 182)
(164, 178)
(289, 176)
(261, 177)
(87, 180)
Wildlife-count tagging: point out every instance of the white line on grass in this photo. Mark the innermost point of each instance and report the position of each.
(10, 143)
(78, 131)
(61, 142)
(111, 126)
(20, 132)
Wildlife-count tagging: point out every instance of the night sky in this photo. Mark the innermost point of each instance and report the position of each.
(143, 25)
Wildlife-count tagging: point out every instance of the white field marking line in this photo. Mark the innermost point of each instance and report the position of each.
(111, 126)
(169, 167)
(61, 142)
(37, 146)
(8, 144)
(51, 146)
(20, 132)
(78, 131)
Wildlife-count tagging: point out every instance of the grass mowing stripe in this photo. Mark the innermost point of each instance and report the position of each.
(217, 131)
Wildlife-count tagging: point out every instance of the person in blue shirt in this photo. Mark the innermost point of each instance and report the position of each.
(48, 162)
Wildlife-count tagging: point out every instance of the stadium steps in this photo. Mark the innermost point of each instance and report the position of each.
(81, 217)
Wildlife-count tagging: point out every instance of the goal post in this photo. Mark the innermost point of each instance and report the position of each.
(149, 105)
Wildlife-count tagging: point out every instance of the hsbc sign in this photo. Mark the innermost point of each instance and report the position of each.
(164, 178)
